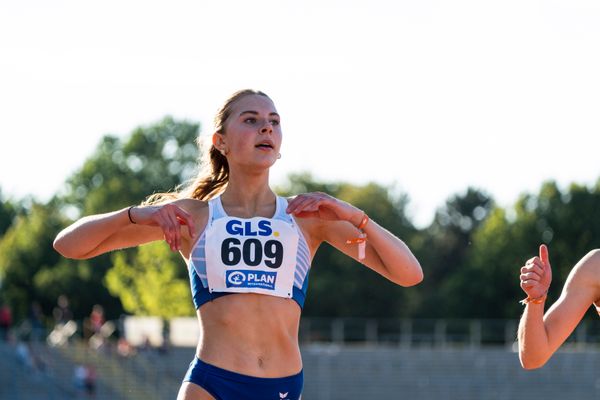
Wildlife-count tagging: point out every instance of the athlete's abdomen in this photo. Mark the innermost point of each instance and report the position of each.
(251, 334)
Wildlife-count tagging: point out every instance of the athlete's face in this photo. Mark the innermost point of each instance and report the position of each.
(252, 132)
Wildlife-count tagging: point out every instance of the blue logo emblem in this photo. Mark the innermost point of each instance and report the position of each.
(251, 279)
(235, 278)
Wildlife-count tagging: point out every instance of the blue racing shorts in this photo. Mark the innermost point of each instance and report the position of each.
(226, 385)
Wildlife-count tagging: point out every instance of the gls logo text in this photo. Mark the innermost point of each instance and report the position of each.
(235, 227)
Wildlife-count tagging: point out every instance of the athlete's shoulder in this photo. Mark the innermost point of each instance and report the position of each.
(191, 205)
(198, 209)
(594, 254)
(591, 261)
(588, 268)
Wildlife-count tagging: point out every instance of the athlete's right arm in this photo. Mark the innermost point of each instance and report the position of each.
(97, 234)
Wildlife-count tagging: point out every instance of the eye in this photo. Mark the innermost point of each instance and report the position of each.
(275, 122)
(250, 120)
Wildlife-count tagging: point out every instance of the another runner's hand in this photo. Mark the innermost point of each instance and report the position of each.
(536, 274)
(169, 217)
(324, 206)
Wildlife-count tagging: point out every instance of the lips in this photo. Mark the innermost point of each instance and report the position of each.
(267, 144)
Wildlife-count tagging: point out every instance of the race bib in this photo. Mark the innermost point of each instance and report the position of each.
(256, 255)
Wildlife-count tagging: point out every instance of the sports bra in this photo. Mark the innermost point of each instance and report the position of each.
(249, 255)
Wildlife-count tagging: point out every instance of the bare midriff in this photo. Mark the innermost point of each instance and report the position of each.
(251, 334)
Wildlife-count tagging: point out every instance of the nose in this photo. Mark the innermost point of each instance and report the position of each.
(266, 128)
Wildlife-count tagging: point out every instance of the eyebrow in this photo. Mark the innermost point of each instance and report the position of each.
(256, 113)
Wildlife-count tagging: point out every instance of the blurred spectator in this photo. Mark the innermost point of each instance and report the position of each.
(36, 321)
(29, 358)
(166, 338)
(97, 318)
(98, 329)
(146, 345)
(90, 380)
(124, 349)
(5, 321)
(79, 374)
(62, 313)
(64, 326)
(24, 355)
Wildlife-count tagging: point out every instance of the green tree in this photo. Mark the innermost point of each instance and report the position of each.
(8, 211)
(153, 283)
(156, 158)
(446, 242)
(120, 172)
(31, 270)
(488, 285)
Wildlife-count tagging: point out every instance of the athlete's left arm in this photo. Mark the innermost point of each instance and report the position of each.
(338, 221)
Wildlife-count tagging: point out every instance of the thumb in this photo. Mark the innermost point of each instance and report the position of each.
(544, 256)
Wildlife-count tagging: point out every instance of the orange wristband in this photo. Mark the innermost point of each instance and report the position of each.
(363, 222)
(361, 240)
(537, 300)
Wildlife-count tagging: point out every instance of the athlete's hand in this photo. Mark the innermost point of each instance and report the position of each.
(536, 274)
(324, 206)
(169, 217)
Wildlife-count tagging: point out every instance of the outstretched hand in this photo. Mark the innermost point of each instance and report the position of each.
(323, 206)
(536, 274)
(169, 217)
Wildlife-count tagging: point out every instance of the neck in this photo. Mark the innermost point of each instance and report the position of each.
(249, 194)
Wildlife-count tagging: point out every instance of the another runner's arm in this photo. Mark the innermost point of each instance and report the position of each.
(541, 335)
(93, 235)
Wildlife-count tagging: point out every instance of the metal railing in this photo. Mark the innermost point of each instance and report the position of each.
(405, 333)
(437, 333)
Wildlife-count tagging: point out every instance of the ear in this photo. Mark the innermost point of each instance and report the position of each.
(218, 140)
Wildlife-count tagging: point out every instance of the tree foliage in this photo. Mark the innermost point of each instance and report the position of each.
(156, 158)
(488, 284)
(120, 172)
(152, 283)
(471, 253)
(445, 245)
(9, 210)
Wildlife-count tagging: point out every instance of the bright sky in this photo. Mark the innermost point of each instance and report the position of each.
(430, 96)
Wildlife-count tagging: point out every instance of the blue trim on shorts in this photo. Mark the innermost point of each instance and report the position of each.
(227, 385)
